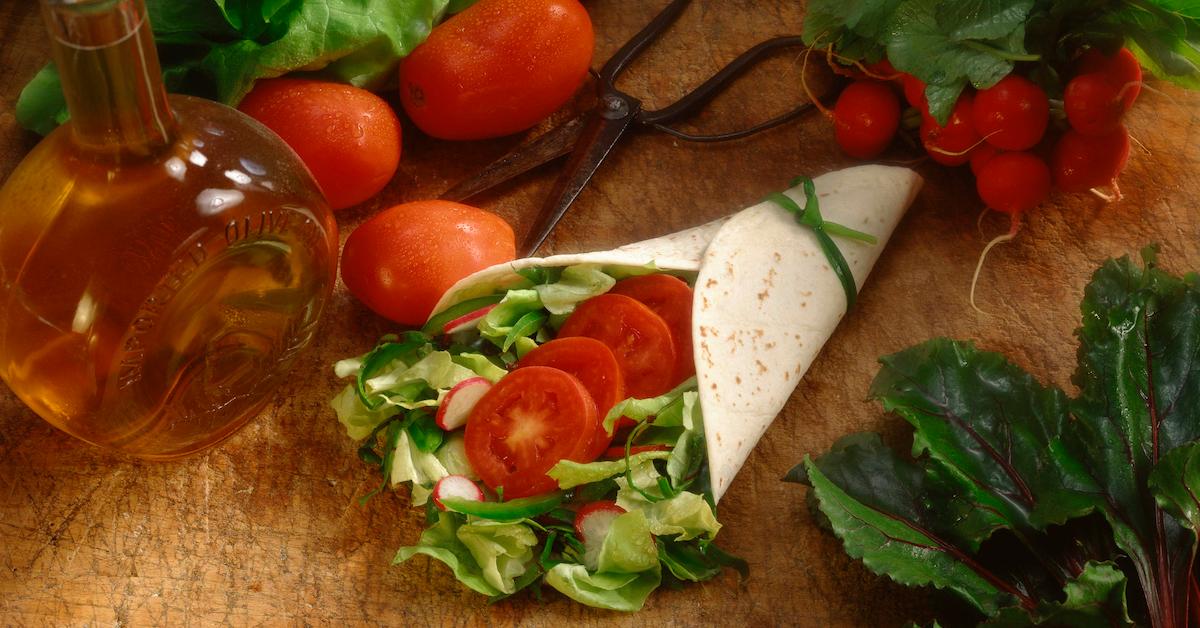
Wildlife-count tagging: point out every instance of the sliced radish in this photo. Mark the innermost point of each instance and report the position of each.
(455, 487)
(467, 321)
(456, 407)
(592, 523)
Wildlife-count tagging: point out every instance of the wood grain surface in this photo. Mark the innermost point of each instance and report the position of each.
(266, 529)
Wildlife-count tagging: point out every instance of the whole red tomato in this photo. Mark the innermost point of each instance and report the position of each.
(348, 137)
(497, 68)
(401, 261)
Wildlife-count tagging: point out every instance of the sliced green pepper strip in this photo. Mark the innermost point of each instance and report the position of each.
(512, 510)
(810, 216)
(527, 325)
(437, 324)
(381, 356)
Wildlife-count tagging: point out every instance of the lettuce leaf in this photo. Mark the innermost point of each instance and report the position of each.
(570, 474)
(576, 284)
(503, 550)
(219, 48)
(628, 568)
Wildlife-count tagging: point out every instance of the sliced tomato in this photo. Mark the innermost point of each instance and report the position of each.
(639, 338)
(530, 420)
(671, 298)
(594, 365)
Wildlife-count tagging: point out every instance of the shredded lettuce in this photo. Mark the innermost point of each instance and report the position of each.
(685, 515)
(642, 409)
(503, 550)
(440, 541)
(575, 285)
(627, 568)
(410, 464)
(570, 474)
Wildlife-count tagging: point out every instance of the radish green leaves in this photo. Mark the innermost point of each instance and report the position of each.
(1092, 499)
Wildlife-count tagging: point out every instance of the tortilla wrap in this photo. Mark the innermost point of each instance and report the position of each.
(765, 300)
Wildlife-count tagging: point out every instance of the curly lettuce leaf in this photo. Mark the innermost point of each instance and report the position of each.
(575, 285)
(627, 568)
(570, 474)
(502, 550)
(440, 541)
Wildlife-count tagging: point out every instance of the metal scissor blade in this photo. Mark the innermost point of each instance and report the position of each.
(597, 139)
(545, 148)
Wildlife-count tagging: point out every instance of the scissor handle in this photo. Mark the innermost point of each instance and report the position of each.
(632, 48)
(709, 89)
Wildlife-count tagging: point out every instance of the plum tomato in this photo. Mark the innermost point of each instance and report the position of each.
(865, 117)
(951, 145)
(638, 337)
(400, 261)
(1013, 182)
(594, 365)
(671, 298)
(348, 137)
(530, 420)
(497, 68)
(1082, 162)
(1012, 114)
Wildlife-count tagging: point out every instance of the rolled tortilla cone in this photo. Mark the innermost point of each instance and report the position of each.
(767, 300)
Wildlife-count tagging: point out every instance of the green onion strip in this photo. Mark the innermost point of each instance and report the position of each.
(810, 216)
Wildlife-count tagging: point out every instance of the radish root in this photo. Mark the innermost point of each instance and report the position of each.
(1000, 239)
(807, 91)
(964, 152)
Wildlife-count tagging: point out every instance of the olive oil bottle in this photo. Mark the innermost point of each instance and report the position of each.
(163, 259)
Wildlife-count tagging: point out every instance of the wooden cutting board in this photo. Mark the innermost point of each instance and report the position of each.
(266, 529)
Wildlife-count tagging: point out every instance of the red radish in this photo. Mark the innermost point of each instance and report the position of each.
(951, 145)
(1094, 104)
(1082, 162)
(459, 401)
(455, 487)
(914, 92)
(1012, 114)
(619, 452)
(865, 118)
(467, 321)
(1121, 68)
(592, 523)
(1013, 183)
(981, 155)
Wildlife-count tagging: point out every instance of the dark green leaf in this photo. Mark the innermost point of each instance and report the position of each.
(1095, 599)
(880, 506)
(992, 426)
(1175, 483)
(425, 433)
(41, 106)
(685, 560)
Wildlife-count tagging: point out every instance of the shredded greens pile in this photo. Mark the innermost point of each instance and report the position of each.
(952, 43)
(500, 547)
(218, 48)
(1038, 508)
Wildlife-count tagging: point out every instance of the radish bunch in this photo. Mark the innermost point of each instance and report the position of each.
(1086, 151)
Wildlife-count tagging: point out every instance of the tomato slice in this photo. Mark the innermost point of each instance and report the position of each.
(594, 365)
(671, 298)
(639, 338)
(531, 419)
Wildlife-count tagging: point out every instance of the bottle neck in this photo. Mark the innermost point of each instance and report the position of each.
(105, 55)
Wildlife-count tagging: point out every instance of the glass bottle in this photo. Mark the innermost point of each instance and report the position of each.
(163, 259)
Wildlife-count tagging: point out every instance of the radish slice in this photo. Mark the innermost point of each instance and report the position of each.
(467, 321)
(460, 400)
(592, 523)
(455, 487)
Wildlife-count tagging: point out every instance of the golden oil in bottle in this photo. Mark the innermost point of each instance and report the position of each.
(162, 259)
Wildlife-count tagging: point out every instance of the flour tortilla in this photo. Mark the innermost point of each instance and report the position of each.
(765, 302)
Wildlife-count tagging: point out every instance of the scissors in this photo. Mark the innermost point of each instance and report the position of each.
(590, 137)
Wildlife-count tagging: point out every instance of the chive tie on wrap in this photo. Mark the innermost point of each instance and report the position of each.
(810, 216)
